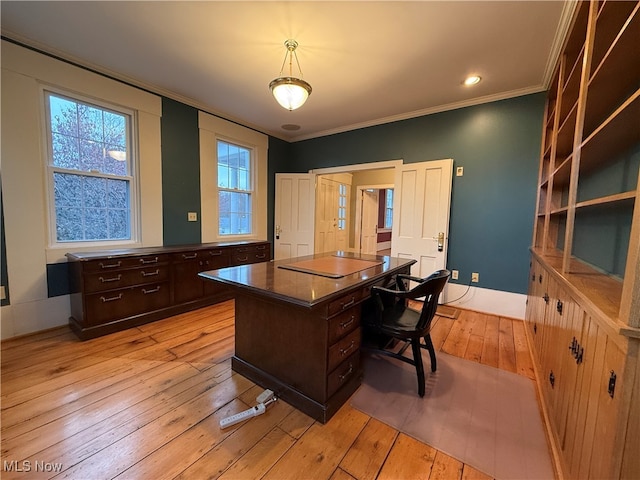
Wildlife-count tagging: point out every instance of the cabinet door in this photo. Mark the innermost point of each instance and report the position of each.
(610, 422)
(187, 286)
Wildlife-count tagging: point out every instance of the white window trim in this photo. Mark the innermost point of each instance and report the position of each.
(213, 129)
(50, 169)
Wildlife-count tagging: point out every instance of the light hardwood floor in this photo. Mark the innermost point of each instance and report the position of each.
(145, 404)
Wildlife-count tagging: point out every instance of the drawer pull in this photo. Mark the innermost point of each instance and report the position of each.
(346, 374)
(114, 279)
(216, 253)
(348, 323)
(111, 299)
(261, 247)
(150, 274)
(349, 303)
(153, 290)
(189, 257)
(262, 255)
(146, 262)
(243, 259)
(110, 265)
(345, 351)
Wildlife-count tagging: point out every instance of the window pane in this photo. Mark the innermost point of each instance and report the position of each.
(65, 151)
(91, 208)
(90, 123)
(64, 116)
(235, 213)
(69, 224)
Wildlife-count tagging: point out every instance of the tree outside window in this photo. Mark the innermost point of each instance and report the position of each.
(388, 208)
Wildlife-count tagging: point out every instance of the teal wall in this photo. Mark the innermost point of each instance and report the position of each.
(180, 173)
(492, 205)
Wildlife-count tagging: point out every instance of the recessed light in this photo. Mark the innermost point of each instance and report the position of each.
(290, 127)
(472, 80)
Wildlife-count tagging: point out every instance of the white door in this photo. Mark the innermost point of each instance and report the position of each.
(369, 231)
(421, 214)
(293, 216)
(326, 216)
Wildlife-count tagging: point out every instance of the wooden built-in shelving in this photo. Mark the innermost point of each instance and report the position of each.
(583, 306)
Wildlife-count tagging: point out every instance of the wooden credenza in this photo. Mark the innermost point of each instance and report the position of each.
(299, 334)
(118, 289)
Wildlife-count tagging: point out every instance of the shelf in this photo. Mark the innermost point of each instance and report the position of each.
(616, 76)
(609, 199)
(616, 135)
(559, 211)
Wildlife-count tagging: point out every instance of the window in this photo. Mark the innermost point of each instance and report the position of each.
(388, 208)
(90, 171)
(342, 207)
(234, 189)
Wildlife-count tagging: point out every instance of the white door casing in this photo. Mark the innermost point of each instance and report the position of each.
(421, 208)
(293, 216)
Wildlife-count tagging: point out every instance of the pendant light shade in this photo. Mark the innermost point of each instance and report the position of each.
(289, 91)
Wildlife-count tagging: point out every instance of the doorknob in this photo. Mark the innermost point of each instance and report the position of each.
(278, 230)
(440, 239)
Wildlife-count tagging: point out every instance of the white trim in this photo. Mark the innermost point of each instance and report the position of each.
(212, 129)
(358, 167)
(495, 302)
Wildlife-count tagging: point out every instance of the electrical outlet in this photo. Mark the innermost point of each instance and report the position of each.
(192, 216)
(454, 274)
(475, 277)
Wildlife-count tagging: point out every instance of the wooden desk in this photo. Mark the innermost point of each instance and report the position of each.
(298, 333)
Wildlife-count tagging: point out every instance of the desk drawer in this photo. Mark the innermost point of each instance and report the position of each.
(343, 373)
(342, 324)
(109, 280)
(343, 303)
(343, 348)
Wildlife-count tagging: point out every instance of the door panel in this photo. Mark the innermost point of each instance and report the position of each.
(295, 199)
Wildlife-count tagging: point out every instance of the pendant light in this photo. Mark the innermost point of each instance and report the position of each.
(289, 91)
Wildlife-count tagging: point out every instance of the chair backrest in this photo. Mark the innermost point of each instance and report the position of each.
(430, 288)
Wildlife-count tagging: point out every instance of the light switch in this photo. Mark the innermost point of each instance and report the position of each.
(459, 171)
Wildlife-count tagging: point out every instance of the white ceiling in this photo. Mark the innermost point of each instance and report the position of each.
(368, 62)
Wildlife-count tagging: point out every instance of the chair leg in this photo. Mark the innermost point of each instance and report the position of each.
(432, 351)
(417, 358)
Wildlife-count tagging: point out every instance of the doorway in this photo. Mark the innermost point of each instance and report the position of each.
(374, 219)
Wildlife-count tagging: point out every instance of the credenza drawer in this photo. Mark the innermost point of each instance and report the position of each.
(110, 280)
(339, 351)
(110, 264)
(116, 304)
(343, 373)
(342, 324)
(250, 254)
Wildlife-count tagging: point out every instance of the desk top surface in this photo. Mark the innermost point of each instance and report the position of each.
(306, 286)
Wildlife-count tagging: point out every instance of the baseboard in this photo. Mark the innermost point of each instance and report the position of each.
(495, 302)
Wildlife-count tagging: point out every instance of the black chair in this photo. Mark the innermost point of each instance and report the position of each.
(393, 319)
